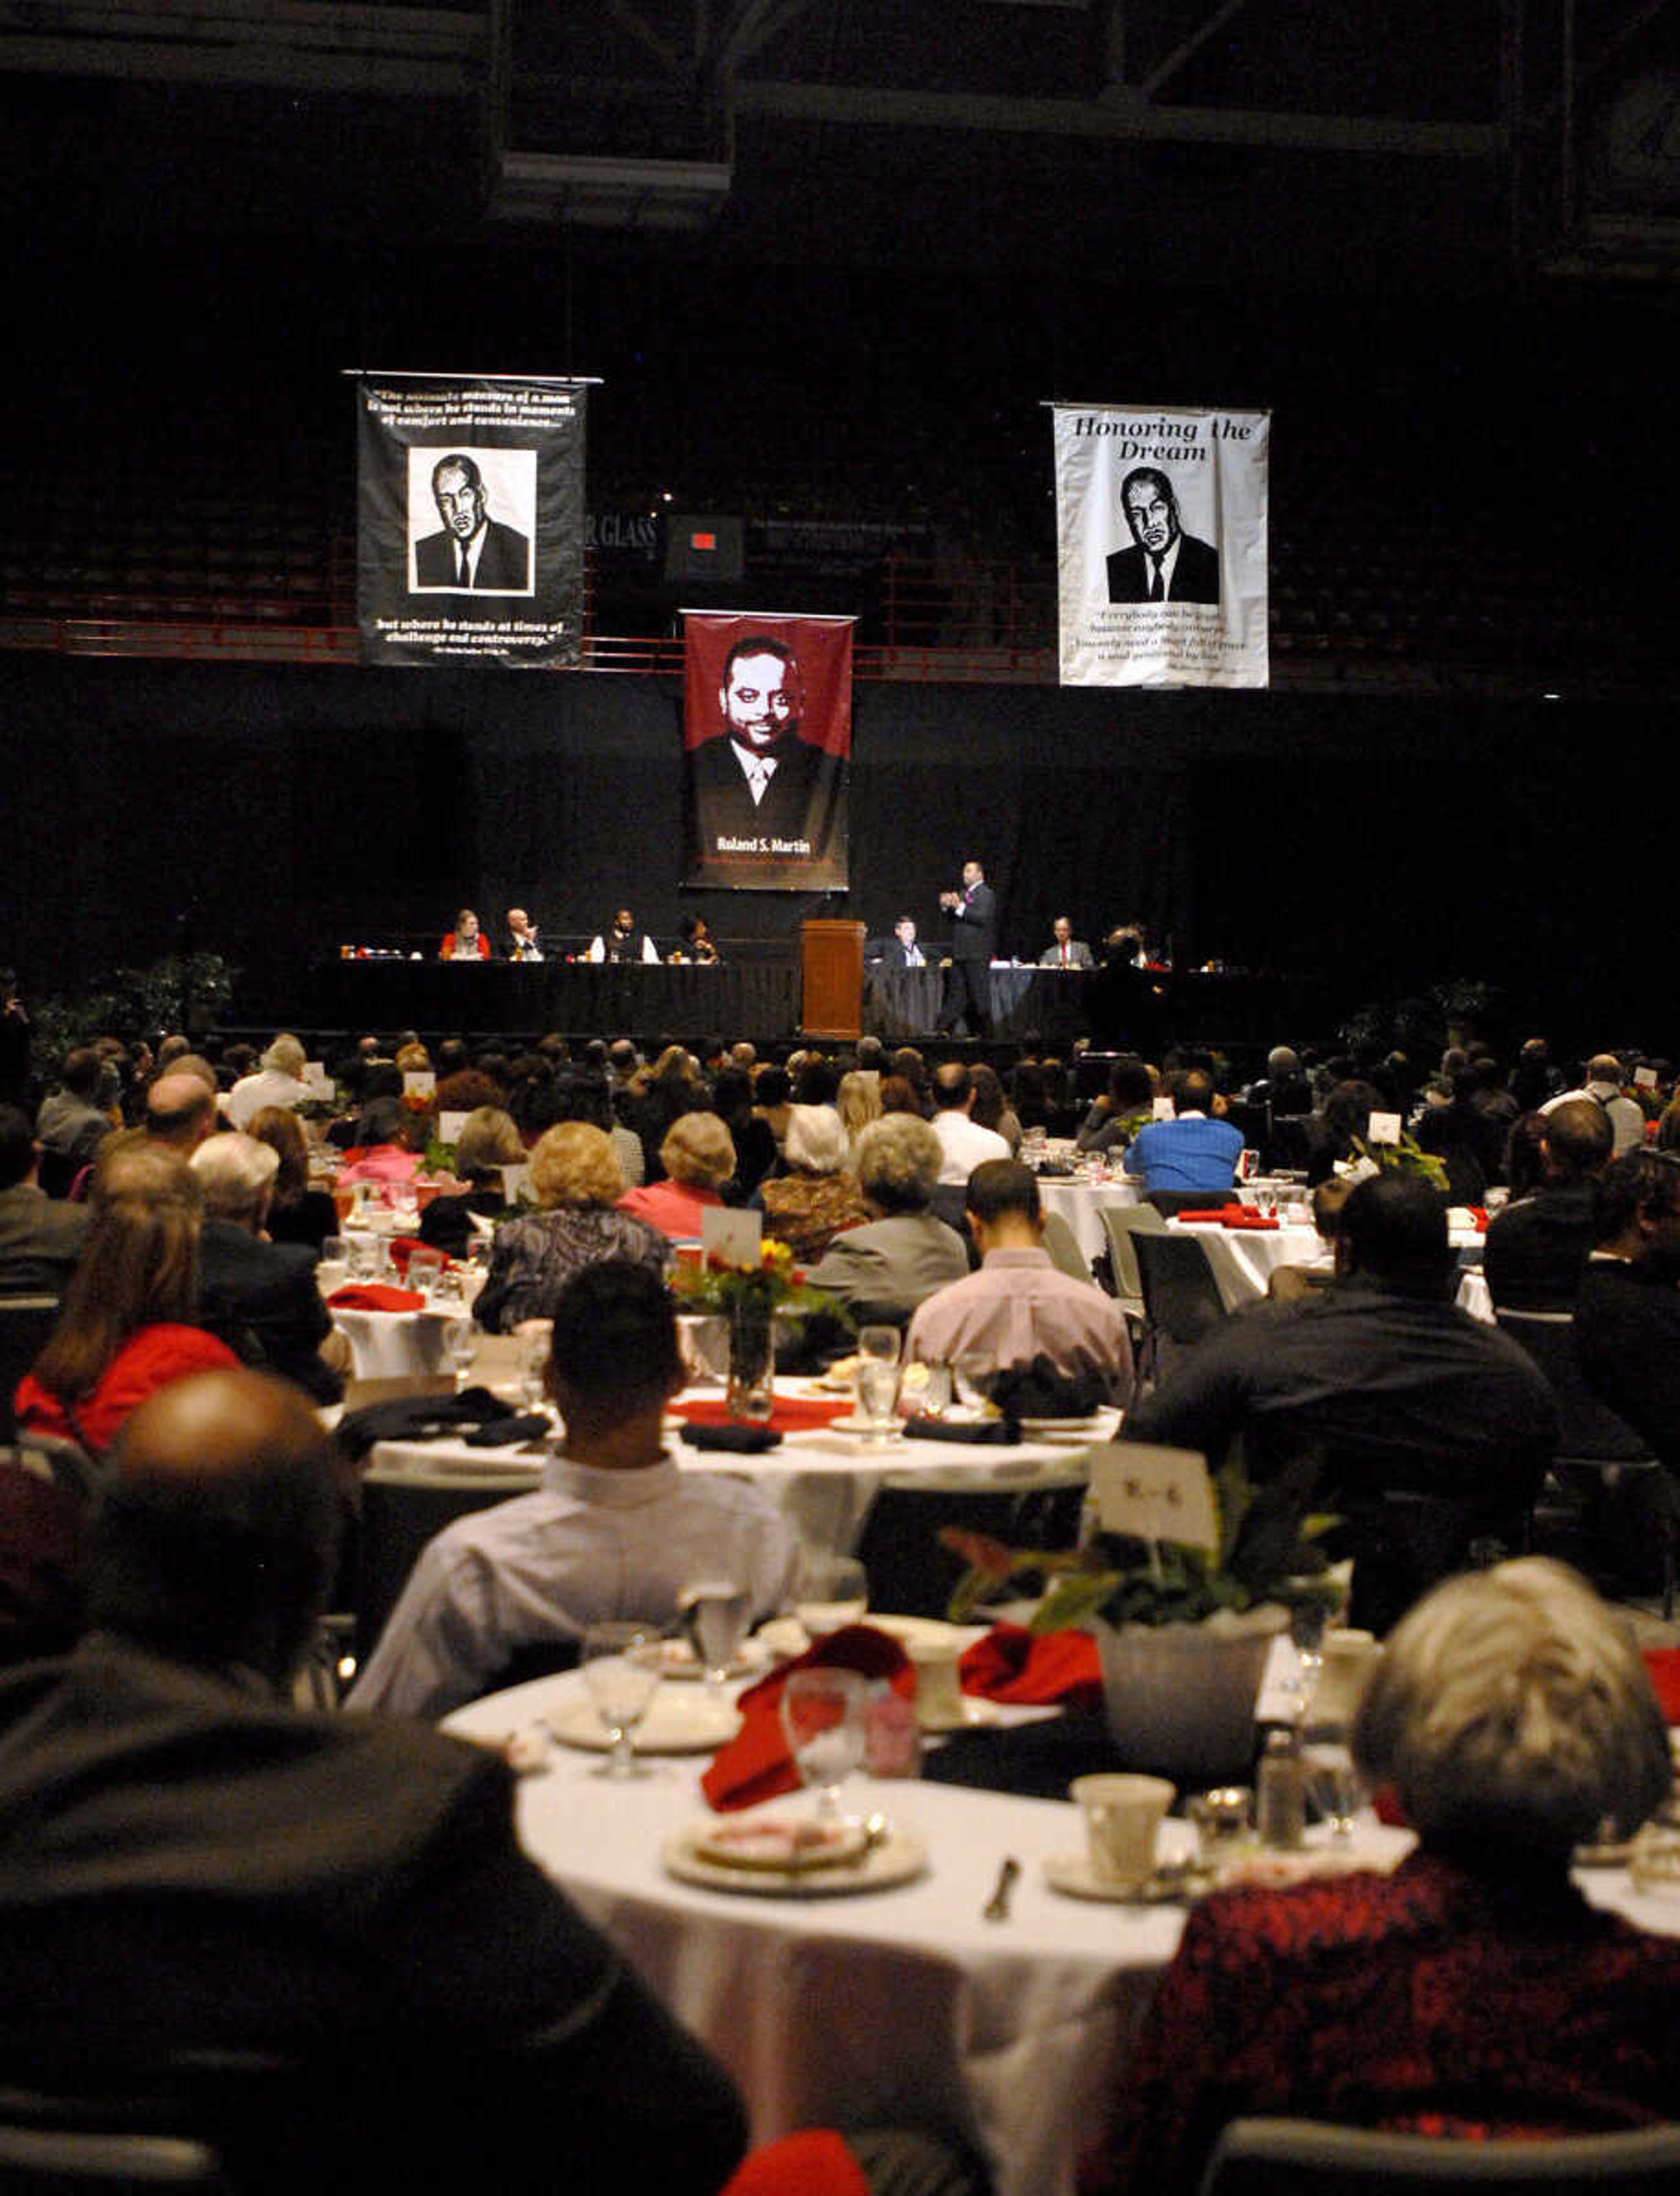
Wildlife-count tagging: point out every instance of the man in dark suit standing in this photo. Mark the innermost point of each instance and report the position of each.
(474, 551)
(974, 938)
(1167, 565)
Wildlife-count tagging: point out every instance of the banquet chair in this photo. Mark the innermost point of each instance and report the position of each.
(398, 1516)
(26, 1322)
(911, 1573)
(1181, 1298)
(1307, 2157)
(1121, 1222)
(1065, 1254)
(1595, 1444)
(1167, 1202)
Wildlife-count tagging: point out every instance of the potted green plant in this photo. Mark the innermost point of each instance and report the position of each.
(1183, 1632)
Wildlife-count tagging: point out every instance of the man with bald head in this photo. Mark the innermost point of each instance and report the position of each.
(180, 1110)
(190, 1864)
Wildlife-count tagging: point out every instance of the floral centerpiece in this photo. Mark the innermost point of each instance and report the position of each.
(1183, 1632)
(1406, 1156)
(751, 1298)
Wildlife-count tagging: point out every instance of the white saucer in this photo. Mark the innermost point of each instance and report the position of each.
(677, 1723)
(975, 1714)
(1071, 1875)
(900, 1857)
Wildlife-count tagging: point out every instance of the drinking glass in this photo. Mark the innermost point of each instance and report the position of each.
(621, 1668)
(829, 1591)
(1333, 1785)
(822, 1720)
(715, 1615)
(878, 1376)
(533, 1370)
(461, 1343)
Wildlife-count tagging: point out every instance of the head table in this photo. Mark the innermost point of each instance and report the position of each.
(890, 2005)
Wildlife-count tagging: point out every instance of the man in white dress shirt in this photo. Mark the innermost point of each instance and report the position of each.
(615, 1530)
(278, 1082)
(966, 1144)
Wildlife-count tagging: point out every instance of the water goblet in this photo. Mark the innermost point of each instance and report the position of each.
(1333, 1785)
(878, 1376)
(715, 1615)
(533, 1370)
(621, 1668)
(822, 1721)
(460, 1343)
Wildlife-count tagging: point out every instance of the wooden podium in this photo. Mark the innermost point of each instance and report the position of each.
(832, 973)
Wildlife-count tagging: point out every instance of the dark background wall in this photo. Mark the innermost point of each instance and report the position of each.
(276, 813)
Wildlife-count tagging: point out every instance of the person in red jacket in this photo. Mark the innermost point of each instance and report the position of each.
(466, 942)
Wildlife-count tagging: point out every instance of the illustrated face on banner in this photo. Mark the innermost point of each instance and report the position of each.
(460, 498)
(759, 697)
(1151, 512)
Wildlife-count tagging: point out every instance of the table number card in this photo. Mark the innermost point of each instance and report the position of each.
(419, 1082)
(1385, 1128)
(1154, 1494)
(737, 1237)
(316, 1081)
(1644, 1078)
(450, 1126)
(513, 1182)
(1162, 1109)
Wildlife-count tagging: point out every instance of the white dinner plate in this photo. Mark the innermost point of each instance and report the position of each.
(900, 1857)
(677, 1723)
(1067, 1430)
(678, 1660)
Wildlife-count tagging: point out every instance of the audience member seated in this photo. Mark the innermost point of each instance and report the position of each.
(297, 1213)
(279, 1082)
(659, 1096)
(901, 1254)
(41, 1237)
(1126, 1106)
(347, 1893)
(1381, 1376)
(965, 1145)
(1627, 1315)
(488, 1142)
(1473, 1991)
(181, 1104)
(251, 1290)
(698, 1157)
(384, 1151)
(1192, 1151)
(128, 1326)
(1537, 1247)
(858, 1102)
(810, 1205)
(992, 1109)
(616, 1530)
(578, 1189)
(1018, 1306)
(1329, 1137)
(755, 1153)
(1451, 1129)
(76, 1117)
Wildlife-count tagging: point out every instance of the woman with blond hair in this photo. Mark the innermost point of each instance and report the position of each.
(489, 1140)
(858, 1102)
(129, 1325)
(1473, 1990)
(698, 1157)
(578, 1182)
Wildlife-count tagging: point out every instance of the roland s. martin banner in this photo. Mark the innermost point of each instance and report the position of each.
(767, 749)
(1162, 561)
(470, 541)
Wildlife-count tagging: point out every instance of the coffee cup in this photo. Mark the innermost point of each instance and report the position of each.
(1122, 1815)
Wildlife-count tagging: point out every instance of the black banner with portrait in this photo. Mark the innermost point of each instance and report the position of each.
(767, 749)
(471, 524)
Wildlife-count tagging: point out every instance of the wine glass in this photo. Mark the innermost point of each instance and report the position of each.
(533, 1370)
(621, 1668)
(460, 1343)
(822, 1721)
(829, 1591)
(715, 1613)
(877, 1376)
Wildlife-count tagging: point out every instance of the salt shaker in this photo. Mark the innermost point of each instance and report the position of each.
(1280, 1793)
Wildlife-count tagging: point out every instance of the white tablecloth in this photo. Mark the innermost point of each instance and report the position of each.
(897, 2004)
(1080, 1204)
(1244, 1259)
(824, 1482)
(384, 1345)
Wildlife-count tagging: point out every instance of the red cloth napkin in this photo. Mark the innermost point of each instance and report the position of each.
(788, 1414)
(1479, 1214)
(1664, 1665)
(1213, 1217)
(756, 1765)
(403, 1247)
(811, 2162)
(376, 1296)
(1010, 1664)
(1244, 1216)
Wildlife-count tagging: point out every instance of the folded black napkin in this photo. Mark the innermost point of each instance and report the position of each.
(1042, 1390)
(747, 1441)
(984, 1433)
(421, 1418)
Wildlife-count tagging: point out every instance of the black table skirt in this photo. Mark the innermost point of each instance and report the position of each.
(587, 998)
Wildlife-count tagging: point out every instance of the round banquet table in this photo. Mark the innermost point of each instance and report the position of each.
(823, 1481)
(900, 2004)
(386, 1345)
(1080, 1202)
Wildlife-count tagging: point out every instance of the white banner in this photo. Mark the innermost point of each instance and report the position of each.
(1161, 562)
